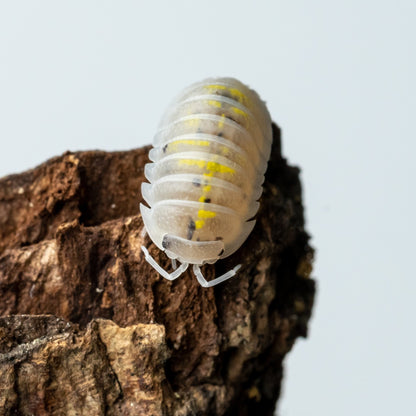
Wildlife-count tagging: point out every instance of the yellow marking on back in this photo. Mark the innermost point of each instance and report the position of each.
(215, 87)
(221, 122)
(199, 224)
(206, 188)
(204, 214)
(214, 103)
(210, 168)
(239, 112)
(193, 122)
(190, 142)
(193, 162)
(238, 95)
(234, 92)
(225, 151)
(217, 167)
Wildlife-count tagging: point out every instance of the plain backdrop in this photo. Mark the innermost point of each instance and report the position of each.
(338, 78)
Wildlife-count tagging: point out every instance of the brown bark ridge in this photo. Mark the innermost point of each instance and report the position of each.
(87, 327)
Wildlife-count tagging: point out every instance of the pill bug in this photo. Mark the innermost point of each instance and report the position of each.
(209, 157)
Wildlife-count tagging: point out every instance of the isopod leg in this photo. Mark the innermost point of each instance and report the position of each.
(205, 283)
(169, 276)
(174, 265)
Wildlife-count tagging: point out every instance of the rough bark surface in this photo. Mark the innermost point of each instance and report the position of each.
(87, 327)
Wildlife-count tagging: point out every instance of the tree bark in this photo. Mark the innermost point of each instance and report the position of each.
(87, 327)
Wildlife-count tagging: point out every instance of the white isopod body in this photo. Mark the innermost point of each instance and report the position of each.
(209, 159)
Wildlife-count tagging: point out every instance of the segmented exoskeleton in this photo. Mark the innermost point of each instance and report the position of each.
(209, 158)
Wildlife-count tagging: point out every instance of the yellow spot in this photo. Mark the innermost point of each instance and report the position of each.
(221, 122)
(193, 162)
(214, 103)
(193, 122)
(215, 87)
(199, 224)
(190, 142)
(239, 112)
(217, 167)
(238, 95)
(206, 188)
(202, 213)
(225, 151)
(235, 92)
(202, 199)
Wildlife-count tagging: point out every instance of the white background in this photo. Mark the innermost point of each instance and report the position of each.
(339, 79)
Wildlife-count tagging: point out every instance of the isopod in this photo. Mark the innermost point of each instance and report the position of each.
(209, 157)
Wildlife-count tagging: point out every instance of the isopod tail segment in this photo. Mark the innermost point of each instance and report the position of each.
(182, 268)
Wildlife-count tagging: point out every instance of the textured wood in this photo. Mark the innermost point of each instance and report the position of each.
(89, 328)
